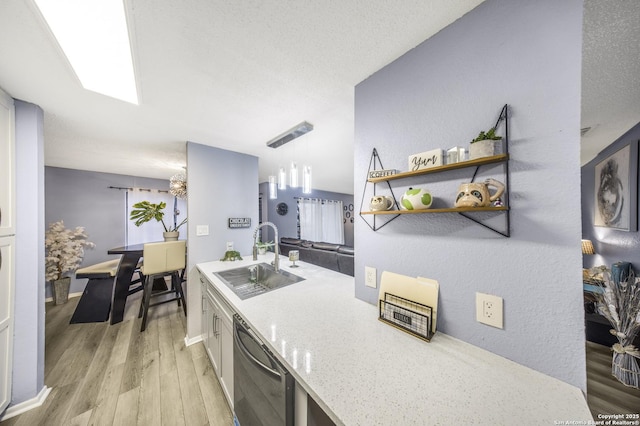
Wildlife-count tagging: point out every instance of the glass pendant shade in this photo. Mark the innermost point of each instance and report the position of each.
(306, 179)
(293, 175)
(273, 188)
(282, 178)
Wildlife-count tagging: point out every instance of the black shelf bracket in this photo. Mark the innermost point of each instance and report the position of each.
(375, 158)
(507, 231)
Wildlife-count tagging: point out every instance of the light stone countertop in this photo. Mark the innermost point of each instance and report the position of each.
(365, 372)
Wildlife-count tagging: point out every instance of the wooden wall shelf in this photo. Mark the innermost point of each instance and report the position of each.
(390, 215)
(438, 169)
(445, 210)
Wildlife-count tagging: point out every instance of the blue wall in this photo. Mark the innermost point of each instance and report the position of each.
(82, 198)
(29, 313)
(611, 245)
(221, 184)
(441, 94)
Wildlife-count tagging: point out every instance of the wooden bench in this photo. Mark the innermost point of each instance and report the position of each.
(100, 270)
(95, 303)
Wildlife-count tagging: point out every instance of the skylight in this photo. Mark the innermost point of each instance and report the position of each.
(95, 39)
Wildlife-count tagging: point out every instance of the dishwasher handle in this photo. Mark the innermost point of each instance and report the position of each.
(243, 349)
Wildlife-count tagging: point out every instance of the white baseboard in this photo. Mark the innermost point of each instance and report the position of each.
(190, 341)
(25, 406)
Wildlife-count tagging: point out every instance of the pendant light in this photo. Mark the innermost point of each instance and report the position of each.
(280, 140)
(306, 179)
(282, 178)
(273, 188)
(293, 175)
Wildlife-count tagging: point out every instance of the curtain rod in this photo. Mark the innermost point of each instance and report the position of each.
(317, 199)
(139, 189)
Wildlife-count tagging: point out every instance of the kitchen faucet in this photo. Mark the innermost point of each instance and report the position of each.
(276, 262)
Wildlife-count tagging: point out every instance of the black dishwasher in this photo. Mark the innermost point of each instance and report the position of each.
(262, 387)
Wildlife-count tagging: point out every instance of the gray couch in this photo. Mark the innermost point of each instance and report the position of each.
(331, 256)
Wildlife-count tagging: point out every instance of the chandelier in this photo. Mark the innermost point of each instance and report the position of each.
(178, 185)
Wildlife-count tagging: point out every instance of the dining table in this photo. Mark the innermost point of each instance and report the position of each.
(131, 255)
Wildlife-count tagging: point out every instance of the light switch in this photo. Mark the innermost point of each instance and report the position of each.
(202, 230)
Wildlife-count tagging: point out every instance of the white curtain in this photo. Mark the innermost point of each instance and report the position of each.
(152, 231)
(321, 221)
(332, 223)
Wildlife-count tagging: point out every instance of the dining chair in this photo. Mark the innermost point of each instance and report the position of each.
(161, 260)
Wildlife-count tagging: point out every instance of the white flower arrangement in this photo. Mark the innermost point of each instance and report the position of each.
(64, 250)
(620, 305)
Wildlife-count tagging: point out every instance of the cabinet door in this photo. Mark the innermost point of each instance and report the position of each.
(6, 319)
(213, 347)
(226, 358)
(7, 193)
(205, 320)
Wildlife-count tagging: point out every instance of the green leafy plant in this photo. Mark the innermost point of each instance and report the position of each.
(231, 255)
(64, 250)
(488, 135)
(266, 245)
(144, 211)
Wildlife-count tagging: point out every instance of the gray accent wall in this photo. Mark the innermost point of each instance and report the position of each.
(29, 313)
(441, 94)
(221, 184)
(83, 198)
(611, 245)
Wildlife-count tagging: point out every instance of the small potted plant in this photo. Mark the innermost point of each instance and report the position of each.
(64, 253)
(144, 211)
(484, 144)
(263, 247)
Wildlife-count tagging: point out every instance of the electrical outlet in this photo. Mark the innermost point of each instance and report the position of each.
(489, 309)
(370, 277)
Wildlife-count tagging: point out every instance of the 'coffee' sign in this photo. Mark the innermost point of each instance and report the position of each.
(426, 159)
(239, 222)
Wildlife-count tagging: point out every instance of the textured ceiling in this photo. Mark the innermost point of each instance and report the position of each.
(610, 72)
(234, 74)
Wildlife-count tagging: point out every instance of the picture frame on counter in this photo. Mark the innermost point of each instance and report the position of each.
(616, 188)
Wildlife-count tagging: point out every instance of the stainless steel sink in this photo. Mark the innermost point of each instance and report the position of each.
(249, 281)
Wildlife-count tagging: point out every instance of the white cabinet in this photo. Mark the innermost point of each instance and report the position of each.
(7, 245)
(217, 335)
(6, 318)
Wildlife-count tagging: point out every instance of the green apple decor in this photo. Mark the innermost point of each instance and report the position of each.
(416, 199)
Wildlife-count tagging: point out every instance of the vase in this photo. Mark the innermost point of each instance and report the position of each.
(625, 364)
(60, 289)
(171, 236)
(485, 148)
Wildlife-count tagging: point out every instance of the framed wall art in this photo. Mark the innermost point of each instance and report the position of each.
(615, 191)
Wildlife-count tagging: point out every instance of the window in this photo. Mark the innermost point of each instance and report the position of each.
(321, 220)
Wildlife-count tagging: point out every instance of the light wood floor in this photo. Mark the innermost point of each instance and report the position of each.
(103, 374)
(605, 394)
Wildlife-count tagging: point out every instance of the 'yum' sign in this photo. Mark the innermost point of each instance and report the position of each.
(426, 159)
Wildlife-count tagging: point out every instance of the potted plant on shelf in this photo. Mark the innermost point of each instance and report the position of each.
(144, 211)
(484, 144)
(64, 253)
